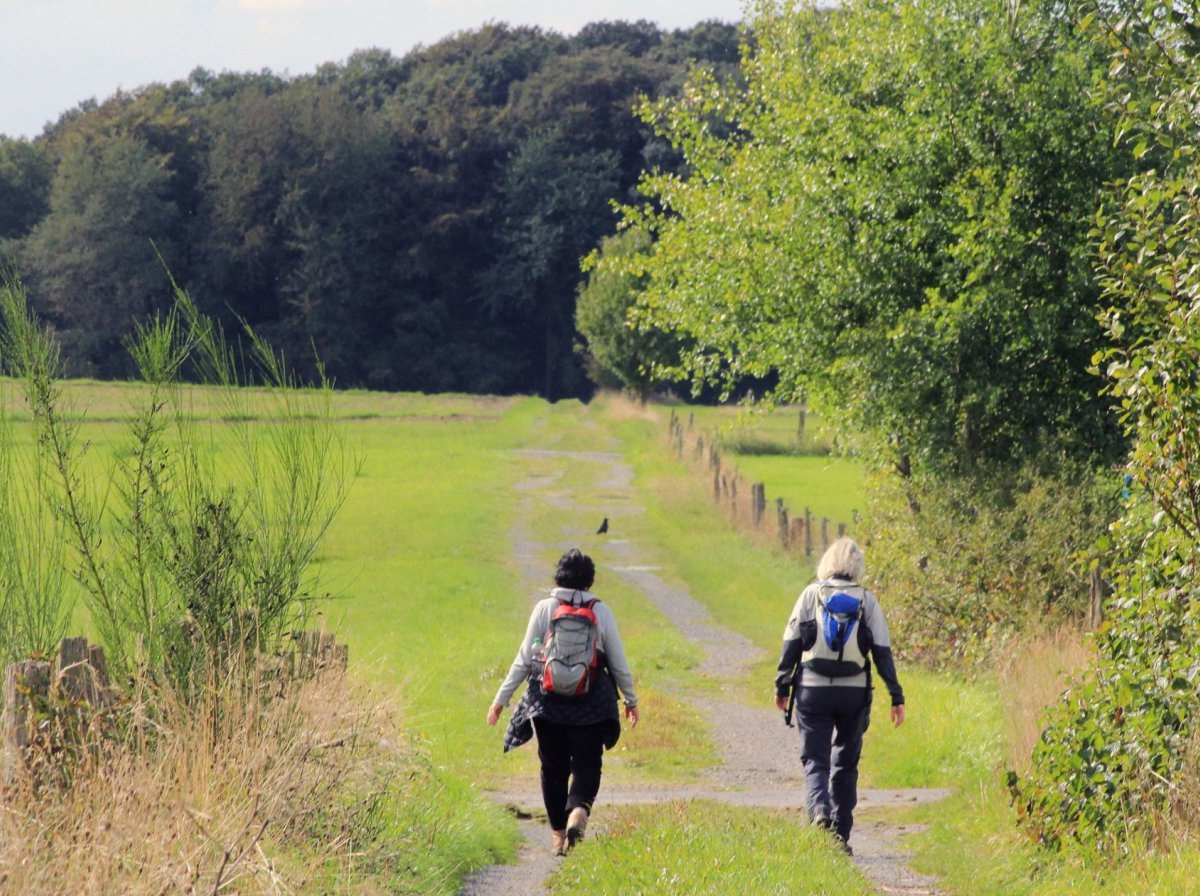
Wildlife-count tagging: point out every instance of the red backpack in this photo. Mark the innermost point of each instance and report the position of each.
(570, 654)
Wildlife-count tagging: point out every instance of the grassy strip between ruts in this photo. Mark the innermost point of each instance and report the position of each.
(707, 849)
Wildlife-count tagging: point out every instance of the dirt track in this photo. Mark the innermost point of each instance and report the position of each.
(759, 755)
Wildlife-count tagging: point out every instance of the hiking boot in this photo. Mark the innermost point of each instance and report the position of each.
(558, 843)
(576, 825)
(821, 820)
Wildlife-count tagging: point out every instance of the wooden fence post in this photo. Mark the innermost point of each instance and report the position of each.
(808, 538)
(782, 516)
(824, 533)
(318, 651)
(25, 683)
(758, 502)
(1098, 589)
(73, 673)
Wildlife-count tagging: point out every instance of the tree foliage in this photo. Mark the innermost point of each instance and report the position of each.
(415, 219)
(93, 257)
(620, 350)
(1119, 763)
(891, 218)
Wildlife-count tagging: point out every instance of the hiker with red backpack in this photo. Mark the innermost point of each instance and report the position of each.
(574, 661)
(835, 632)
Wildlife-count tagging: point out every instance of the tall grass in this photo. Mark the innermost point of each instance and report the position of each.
(1033, 675)
(235, 795)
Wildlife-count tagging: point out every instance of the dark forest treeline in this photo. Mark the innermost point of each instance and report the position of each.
(417, 220)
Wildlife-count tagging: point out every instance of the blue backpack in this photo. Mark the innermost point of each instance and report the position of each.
(841, 643)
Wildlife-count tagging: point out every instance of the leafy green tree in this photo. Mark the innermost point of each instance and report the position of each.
(93, 259)
(25, 173)
(554, 198)
(635, 38)
(1117, 765)
(891, 218)
(616, 347)
(382, 208)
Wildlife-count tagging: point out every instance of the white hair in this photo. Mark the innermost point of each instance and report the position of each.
(844, 559)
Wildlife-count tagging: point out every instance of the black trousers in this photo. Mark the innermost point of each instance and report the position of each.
(572, 757)
(831, 722)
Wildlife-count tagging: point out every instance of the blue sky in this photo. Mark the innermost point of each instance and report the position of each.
(57, 53)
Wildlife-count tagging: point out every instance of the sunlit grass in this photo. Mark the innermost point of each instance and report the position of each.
(433, 604)
(706, 849)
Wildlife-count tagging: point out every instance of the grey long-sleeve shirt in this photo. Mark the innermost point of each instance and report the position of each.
(609, 641)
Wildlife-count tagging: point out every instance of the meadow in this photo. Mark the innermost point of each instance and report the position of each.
(422, 581)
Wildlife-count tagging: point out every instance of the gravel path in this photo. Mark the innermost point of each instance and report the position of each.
(759, 755)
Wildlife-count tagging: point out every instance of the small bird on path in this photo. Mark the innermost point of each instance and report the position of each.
(603, 527)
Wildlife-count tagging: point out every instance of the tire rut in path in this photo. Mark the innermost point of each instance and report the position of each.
(759, 761)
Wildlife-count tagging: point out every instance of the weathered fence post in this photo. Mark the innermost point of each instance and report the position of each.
(782, 514)
(841, 529)
(797, 533)
(73, 673)
(808, 538)
(758, 502)
(824, 533)
(1097, 591)
(318, 651)
(25, 683)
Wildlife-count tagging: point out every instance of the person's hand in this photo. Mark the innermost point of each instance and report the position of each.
(631, 713)
(898, 715)
(781, 703)
(494, 714)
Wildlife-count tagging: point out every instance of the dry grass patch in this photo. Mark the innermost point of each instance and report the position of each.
(620, 406)
(1033, 675)
(221, 796)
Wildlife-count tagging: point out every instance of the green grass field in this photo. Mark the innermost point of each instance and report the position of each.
(432, 602)
(801, 468)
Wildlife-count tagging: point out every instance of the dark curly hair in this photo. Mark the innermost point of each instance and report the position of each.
(575, 571)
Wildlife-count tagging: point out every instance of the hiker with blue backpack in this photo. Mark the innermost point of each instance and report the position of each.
(574, 661)
(834, 635)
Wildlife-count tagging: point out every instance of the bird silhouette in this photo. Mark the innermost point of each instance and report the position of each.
(603, 527)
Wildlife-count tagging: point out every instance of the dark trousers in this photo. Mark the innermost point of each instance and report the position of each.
(572, 757)
(831, 722)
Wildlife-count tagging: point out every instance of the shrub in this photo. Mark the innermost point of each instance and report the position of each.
(198, 545)
(967, 564)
